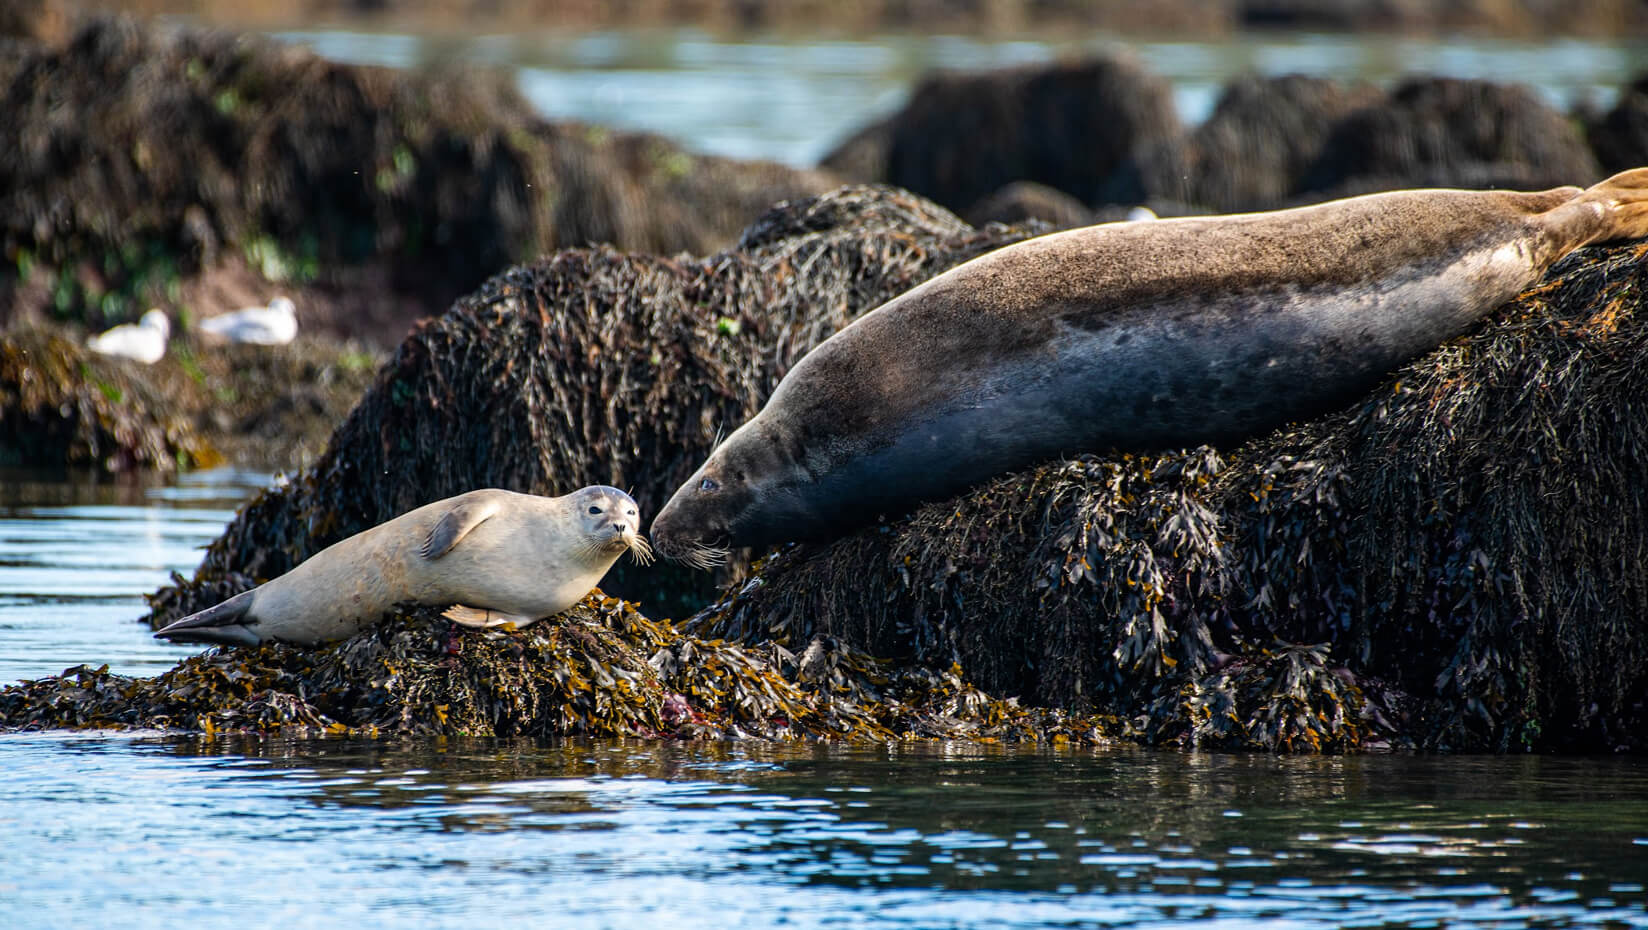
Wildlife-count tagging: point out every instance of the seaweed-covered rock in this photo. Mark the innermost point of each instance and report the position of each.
(1027, 200)
(600, 669)
(1620, 137)
(61, 404)
(259, 406)
(1453, 562)
(862, 156)
(1263, 135)
(1446, 132)
(314, 173)
(595, 367)
(1074, 126)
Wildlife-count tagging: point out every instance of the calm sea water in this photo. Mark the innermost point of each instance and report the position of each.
(792, 99)
(151, 830)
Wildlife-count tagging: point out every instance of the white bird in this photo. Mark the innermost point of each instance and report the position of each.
(274, 325)
(143, 341)
(1140, 213)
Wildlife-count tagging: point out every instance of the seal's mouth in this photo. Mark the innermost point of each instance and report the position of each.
(625, 540)
(702, 557)
(639, 549)
(691, 552)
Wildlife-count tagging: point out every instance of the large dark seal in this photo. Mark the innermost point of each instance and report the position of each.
(499, 556)
(1127, 336)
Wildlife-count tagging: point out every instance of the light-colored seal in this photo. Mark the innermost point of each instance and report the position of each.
(502, 557)
(1128, 336)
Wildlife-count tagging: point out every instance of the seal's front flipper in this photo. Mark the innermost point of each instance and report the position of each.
(455, 524)
(481, 619)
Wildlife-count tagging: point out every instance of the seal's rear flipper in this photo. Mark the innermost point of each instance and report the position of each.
(224, 624)
(481, 619)
(1613, 209)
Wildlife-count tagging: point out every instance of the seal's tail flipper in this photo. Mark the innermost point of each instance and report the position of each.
(1624, 202)
(222, 625)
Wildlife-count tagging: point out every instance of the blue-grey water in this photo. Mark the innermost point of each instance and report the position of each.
(161, 830)
(792, 99)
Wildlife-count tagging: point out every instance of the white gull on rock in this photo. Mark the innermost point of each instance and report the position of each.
(274, 325)
(143, 341)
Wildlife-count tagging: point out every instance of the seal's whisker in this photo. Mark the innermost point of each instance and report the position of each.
(640, 550)
(706, 557)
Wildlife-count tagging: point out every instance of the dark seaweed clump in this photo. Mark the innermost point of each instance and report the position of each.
(1453, 563)
(601, 669)
(269, 407)
(1074, 126)
(310, 172)
(594, 367)
(63, 405)
(1104, 132)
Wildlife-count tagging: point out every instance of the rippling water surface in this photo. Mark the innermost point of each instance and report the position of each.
(151, 830)
(77, 555)
(123, 831)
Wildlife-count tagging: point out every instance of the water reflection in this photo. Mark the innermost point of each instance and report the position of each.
(77, 552)
(917, 835)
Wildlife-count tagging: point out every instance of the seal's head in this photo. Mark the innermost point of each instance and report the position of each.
(749, 492)
(611, 522)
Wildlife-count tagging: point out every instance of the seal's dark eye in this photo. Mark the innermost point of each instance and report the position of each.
(594, 510)
(708, 484)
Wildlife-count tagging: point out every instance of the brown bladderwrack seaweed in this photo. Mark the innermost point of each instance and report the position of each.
(1454, 562)
(601, 669)
(595, 367)
(1474, 531)
(61, 404)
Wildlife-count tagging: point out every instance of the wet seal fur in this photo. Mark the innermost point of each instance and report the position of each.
(500, 557)
(1131, 336)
